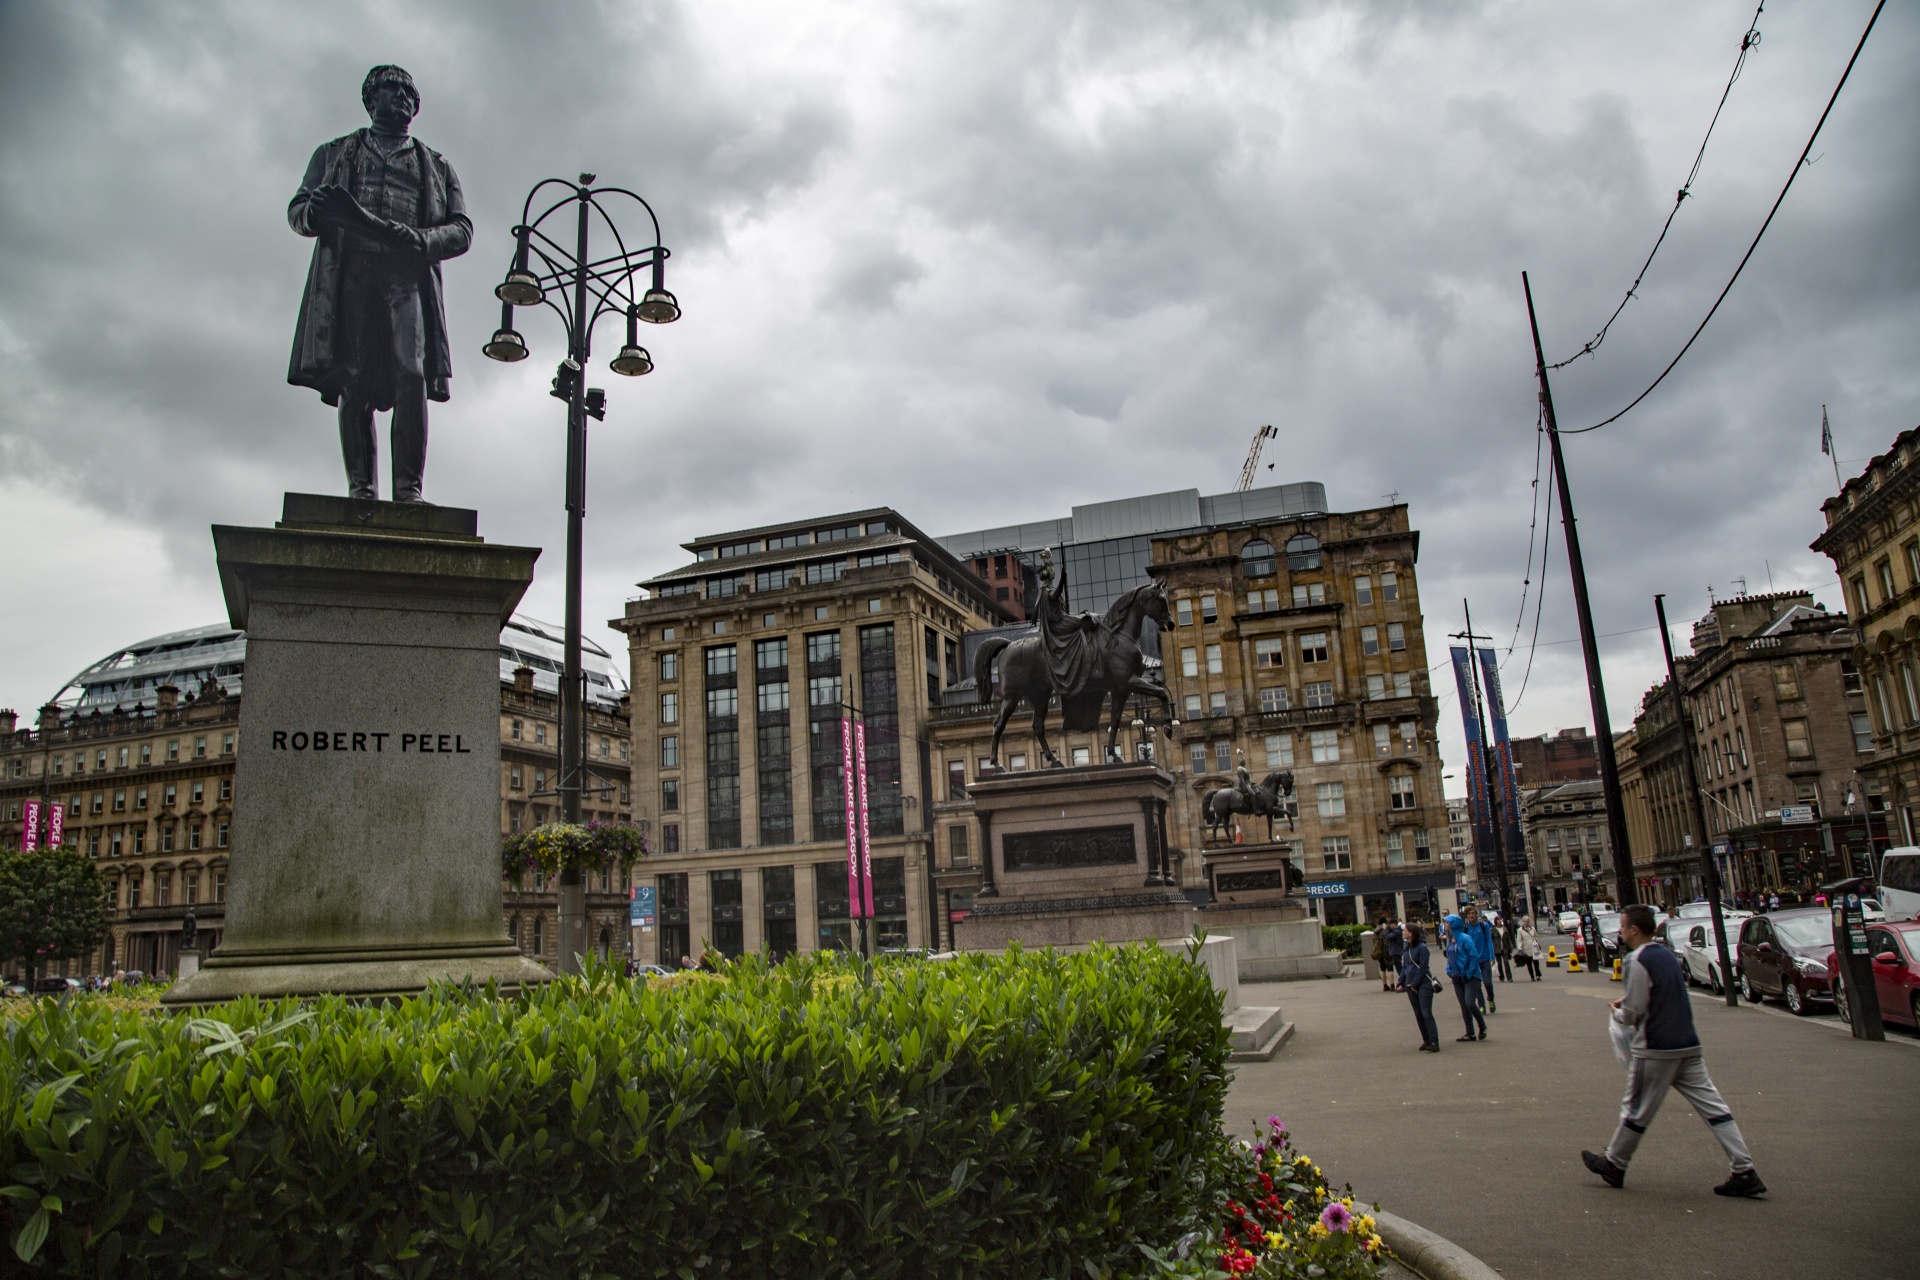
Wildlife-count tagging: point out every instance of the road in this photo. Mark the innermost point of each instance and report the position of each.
(1481, 1142)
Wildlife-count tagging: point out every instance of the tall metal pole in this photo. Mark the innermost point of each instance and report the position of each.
(1699, 809)
(1489, 762)
(573, 724)
(1596, 688)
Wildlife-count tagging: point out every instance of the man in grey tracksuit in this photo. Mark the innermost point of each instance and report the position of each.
(1666, 1055)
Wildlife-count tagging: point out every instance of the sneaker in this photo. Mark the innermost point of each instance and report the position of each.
(1429, 1048)
(1469, 1036)
(1744, 1183)
(1613, 1175)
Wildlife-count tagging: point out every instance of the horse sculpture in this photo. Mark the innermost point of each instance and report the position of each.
(1268, 799)
(1097, 659)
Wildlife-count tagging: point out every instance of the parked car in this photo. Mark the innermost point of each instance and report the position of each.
(1569, 922)
(652, 971)
(51, 986)
(1871, 911)
(1895, 952)
(1900, 882)
(1784, 953)
(1691, 939)
(1701, 909)
(14, 988)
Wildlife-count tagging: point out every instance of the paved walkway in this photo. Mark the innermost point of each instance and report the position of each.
(1481, 1142)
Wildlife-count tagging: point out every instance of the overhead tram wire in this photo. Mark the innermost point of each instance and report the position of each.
(1539, 604)
(1748, 43)
(1798, 165)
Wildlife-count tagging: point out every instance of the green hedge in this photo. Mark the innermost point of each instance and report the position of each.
(1023, 1115)
(1344, 938)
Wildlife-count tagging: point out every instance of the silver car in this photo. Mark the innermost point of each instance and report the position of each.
(1691, 939)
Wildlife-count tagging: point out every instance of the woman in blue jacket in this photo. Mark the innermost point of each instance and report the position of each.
(1418, 984)
(1463, 966)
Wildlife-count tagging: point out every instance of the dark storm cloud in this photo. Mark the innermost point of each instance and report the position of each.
(985, 261)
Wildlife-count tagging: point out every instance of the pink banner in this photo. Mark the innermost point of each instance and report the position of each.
(30, 830)
(866, 844)
(56, 825)
(848, 806)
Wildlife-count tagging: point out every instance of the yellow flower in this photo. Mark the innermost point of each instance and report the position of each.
(1274, 1239)
(1317, 1231)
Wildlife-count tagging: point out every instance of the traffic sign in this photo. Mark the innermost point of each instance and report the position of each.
(1795, 813)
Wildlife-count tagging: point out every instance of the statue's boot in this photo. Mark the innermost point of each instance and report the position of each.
(410, 441)
(358, 448)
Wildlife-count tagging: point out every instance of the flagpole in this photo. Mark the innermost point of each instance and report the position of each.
(1826, 447)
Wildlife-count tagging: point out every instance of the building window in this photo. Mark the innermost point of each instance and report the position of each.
(1313, 646)
(1279, 751)
(669, 708)
(1422, 848)
(1183, 612)
(1319, 693)
(1209, 609)
(113, 844)
(1325, 744)
(1216, 704)
(956, 779)
(119, 802)
(1376, 688)
(199, 749)
(1913, 694)
(1389, 587)
(1396, 638)
(1860, 602)
(669, 752)
(1403, 684)
(1198, 752)
(1396, 852)
(120, 759)
(670, 838)
(1308, 594)
(1256, 558)
(1223, 755)
(670, 665)
(670, 795)
(226, 790)
(1885, 569)
(513, 778)
(193, 836)
(958, 852)
(1190, 662)
(1214, 665)
(220, 835)
(140, 796)
(1336, 852)
(1741, 737)
(823, 691)
(1382, 740)
(1363, 590)
(166, 837)
(1410, 736)
(1081, 755)
(1264, 601)
(1270, 652)
(1799, 742)
(226, 744)
(99, 802)
(1862, 734)
(1331, 798)
(1273, 698)
(1370, 641)
(1190, 706)
(1303, 552)
(1400, 791)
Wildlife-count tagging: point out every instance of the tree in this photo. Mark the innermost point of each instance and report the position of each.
(53, 906)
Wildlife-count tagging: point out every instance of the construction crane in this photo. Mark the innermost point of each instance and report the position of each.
(1252, 466)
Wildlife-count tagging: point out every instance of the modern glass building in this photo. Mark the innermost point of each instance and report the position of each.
(1105, 547)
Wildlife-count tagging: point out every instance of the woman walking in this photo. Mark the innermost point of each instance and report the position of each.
(1463, 967)
(1526, 946)
(1419, 985)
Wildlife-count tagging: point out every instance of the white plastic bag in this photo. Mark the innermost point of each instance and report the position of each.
(1622, 1036)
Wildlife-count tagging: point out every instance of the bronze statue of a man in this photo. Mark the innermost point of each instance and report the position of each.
(385, 211)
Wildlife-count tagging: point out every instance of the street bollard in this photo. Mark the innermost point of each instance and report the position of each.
(1553, 958)
(1616, 971)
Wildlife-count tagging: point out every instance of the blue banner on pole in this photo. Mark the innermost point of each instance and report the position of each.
(1479, 801)
(1508, 783)
(640, 913)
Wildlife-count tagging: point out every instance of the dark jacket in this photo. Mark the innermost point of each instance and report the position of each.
(1413, 966)
(1656, 1005)
(443, 221)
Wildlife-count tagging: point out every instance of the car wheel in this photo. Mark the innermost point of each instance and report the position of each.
(1713, 981)
(1840, 1005)
(1797, 1003)
(1913, 1007)
(1747, 992)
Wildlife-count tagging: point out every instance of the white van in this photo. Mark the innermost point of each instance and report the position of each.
(1900, 882)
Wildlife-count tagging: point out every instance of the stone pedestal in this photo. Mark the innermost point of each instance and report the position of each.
(1074, 856)
(366, 821)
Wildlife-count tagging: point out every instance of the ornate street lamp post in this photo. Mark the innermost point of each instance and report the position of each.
(589, 288)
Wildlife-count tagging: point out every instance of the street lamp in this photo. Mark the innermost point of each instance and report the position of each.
(588, 288)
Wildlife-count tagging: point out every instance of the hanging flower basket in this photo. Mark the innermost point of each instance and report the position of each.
(566, 846)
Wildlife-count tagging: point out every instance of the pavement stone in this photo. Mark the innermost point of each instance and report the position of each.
(1481, 1142)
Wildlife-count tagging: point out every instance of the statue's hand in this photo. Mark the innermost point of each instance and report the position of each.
(404, 236)
(332, 203)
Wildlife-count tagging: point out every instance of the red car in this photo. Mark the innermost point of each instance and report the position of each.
(1895, 949)
(1784, 953)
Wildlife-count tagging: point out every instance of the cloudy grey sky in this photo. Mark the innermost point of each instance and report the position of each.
(917, 241)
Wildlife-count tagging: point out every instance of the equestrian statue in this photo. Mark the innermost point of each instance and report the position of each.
(1271, 799)
(1084, 659)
